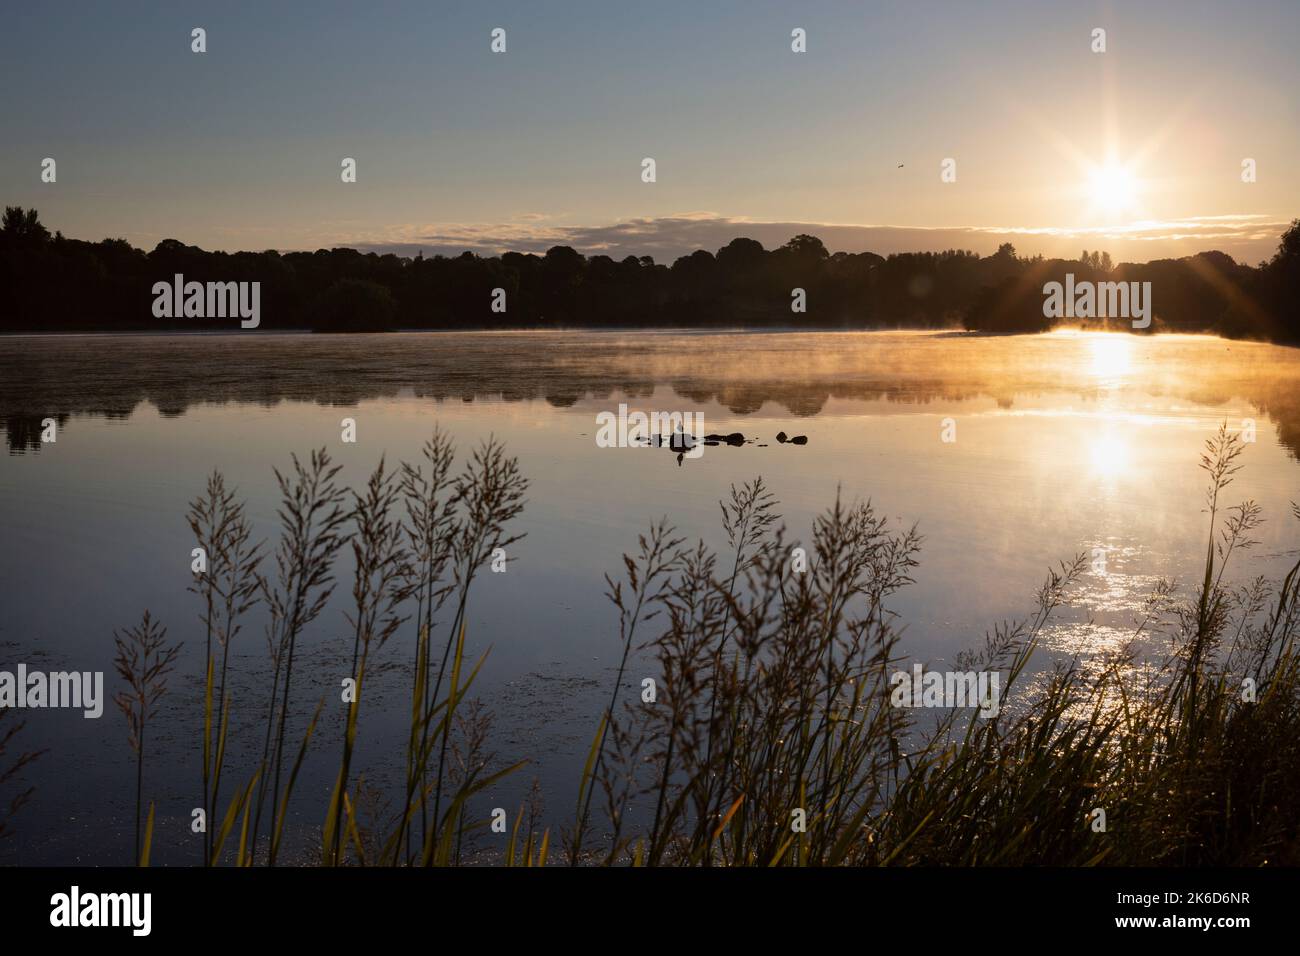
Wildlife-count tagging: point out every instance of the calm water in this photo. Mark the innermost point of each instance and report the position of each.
(1064, 443)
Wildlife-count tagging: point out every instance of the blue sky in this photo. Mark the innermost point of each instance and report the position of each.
(458, 147)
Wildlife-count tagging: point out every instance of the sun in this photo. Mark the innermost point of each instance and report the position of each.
(1112, 187)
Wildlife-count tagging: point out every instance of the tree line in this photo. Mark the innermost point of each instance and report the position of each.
(51, 283)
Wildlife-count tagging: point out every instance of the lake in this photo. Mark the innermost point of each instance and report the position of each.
(1061, 444)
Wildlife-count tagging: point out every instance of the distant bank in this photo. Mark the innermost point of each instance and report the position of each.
(49, 283)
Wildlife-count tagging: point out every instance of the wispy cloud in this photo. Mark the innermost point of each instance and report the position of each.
(1248, 237)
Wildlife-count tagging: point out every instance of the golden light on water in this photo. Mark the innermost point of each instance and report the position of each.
(1110, 363)
(1109, 454)
(1110, 356)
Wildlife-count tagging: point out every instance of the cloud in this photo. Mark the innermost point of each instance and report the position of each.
(1246, 237)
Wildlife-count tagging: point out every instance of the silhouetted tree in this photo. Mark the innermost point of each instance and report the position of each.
(52, 283)
(355, 305)
(1282, 283)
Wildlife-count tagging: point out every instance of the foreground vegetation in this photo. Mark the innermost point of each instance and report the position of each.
(53, 283)
(770, 738)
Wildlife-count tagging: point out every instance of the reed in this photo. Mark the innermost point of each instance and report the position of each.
(490, 492)
(772, 738)
(143, 660)
(11, 769)
(378, 590)
(431, 501)
(229, 588)
(647, 576)
(775, 705)
(312, 519)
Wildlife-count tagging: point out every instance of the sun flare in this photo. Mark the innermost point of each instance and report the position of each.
(1112, 188)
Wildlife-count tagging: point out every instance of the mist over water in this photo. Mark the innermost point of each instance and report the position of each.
(1065, 443)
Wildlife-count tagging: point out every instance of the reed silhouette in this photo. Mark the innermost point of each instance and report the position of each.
(144, 660)
(229, 587)
(11, 768)
(771, 738)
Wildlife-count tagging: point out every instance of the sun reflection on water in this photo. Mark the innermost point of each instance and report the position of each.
(1110, 357)
(1109, 454)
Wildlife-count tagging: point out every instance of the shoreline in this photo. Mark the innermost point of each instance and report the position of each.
(951, 333)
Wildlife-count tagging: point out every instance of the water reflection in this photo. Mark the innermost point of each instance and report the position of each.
(800, 373)
(1111, 358)
(1109, 454)
(1066, 443)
